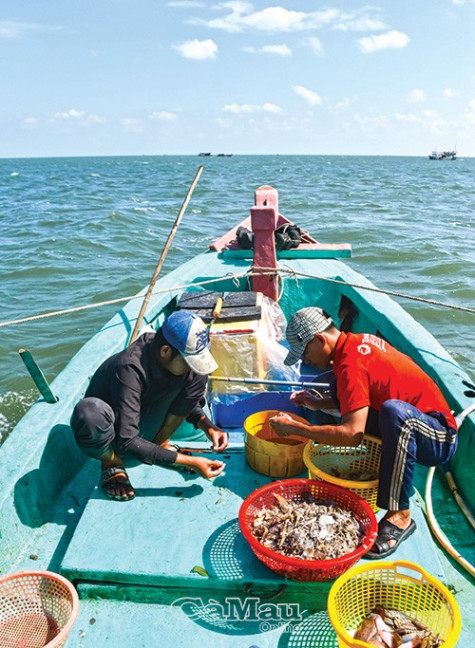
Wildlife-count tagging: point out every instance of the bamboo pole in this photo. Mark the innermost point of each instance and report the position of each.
(164, 253)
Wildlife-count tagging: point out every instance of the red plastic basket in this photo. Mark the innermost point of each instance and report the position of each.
(293, 489)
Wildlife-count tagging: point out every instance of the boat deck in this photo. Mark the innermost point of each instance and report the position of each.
(157, 581)
(179, 521)
(132, 561)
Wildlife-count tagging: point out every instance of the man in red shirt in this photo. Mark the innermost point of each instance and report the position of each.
(414, 420)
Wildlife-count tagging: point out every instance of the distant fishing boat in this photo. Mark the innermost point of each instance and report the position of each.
(204, 154)
(444, 155)
(225, 155)
(172, 566)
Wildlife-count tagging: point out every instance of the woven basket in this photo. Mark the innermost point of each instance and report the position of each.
(269, 454)
(295, 489)
(321, 459)
(400, 585)
(37, 609)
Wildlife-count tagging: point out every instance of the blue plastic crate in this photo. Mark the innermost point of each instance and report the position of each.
(231, 412)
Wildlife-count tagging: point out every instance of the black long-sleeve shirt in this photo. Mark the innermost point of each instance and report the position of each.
(141, 393)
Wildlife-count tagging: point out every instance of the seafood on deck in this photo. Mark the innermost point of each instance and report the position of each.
(388, 628)
(311, 529)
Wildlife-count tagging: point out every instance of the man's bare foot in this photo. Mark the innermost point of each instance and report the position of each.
(401, 519)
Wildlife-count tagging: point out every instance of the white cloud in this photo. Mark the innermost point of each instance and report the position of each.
(162, 115)
(132, 125)
(407, 117)
(449, 93)
(372, 121)
(428, 119)
(279, 19)
(271, 108)
(224, 123)
(280, 50)
(78, 116)
(315, 44)
(350, 22)
(310, 96)
(29, 122)
(199, 50)
(390, 40)
(70, 114)
(17, 29)
(416, 96)
(344, 104)
(250, 108)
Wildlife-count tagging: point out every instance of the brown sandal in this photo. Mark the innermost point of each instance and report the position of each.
(115, 476)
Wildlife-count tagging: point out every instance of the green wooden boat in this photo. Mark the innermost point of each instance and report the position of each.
(171, 567)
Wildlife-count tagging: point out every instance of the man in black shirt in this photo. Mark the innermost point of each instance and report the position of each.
(138, 397)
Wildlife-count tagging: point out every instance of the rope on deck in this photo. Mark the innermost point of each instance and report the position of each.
(283, 273)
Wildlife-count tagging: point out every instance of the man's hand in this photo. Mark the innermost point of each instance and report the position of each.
(207, 468)
(310, 401)
(218, 437)
(283, 424)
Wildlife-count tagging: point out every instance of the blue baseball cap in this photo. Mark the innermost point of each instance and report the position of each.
(190, 336)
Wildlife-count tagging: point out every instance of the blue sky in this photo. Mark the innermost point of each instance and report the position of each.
(125, 77)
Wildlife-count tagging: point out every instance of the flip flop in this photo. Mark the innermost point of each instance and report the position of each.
(110, 478)
(388, 531)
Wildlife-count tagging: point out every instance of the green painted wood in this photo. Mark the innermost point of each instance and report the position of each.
(105, 622)
(316, 253)
(38, 376)
(177, 522)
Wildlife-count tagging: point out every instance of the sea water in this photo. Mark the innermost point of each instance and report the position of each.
(77, 231)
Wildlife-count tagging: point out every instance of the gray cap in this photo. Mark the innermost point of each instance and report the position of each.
(302, 328)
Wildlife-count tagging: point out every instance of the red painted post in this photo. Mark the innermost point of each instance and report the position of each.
(264, 216)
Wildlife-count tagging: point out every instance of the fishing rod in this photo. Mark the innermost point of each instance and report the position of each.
(258, 381)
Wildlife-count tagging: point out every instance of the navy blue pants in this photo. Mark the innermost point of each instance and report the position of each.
(409, 436)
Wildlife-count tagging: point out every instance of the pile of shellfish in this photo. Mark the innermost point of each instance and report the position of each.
(312, 529)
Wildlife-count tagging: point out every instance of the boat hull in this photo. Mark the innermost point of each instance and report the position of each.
(130, 564)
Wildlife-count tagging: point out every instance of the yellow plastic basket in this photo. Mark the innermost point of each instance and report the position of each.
(37, 609)
(398, 585)
(268, 453)
(321, 459)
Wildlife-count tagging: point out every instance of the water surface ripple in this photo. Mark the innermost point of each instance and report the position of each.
(80, 230)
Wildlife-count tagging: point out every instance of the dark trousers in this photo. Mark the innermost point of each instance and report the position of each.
(92, 423)
(409, 436)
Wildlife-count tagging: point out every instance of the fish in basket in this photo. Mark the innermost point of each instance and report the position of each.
(393, 604)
